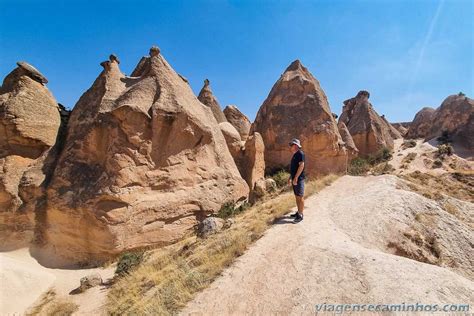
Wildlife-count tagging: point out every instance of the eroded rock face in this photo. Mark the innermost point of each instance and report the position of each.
(238, 120)
(143, 162)
(29, 125)
(369, 131)
(456, 117)
(248, 155)
(298, 108)
(421, 125)
(207, 98)
(352, 150)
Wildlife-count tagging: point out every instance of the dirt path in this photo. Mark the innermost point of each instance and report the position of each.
(337, 254)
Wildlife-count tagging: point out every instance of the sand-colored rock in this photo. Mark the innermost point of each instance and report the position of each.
(143, 163)
(421, 125)
(207, 98)
(393, 131)
(369, 131)
(238, 120)
(352, 150)
(298, 108)
(402, 128)
(455, 116)
(248, 155)
(29, 124)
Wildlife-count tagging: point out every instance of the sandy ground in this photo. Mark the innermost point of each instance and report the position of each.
(336, 255)
(23, 280)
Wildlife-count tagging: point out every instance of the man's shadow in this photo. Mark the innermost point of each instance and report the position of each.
(283, 220)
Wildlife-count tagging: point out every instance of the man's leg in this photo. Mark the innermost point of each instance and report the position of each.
(300, 204)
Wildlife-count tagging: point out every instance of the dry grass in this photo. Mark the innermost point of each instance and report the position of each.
(174, 275)
(459, 185)
(50, 304)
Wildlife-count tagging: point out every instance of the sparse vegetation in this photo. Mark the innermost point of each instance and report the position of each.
(360, 166)
(230, 209)
(281, 178)
(173, 275)
(382, 168)
(437, 164)
(50, 304)
(444, 150)
(461, 94)
(128, 261)
(408, 143)
(409, 158)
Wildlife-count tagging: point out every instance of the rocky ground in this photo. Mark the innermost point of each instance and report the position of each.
(343, 252)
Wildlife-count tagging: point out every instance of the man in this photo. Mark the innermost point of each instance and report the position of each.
(297, 177)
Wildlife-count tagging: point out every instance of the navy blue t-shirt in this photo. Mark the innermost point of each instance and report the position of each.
(295, 163)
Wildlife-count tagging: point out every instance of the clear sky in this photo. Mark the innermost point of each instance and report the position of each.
(408, 54)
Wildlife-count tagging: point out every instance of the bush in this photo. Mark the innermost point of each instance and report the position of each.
(437, 163)
(129, 261)
(230, 209)
(382, 155)
(358, 166)
(444, 150)
(281, 178)
(382, 168)
(409, 143)
(461, 94)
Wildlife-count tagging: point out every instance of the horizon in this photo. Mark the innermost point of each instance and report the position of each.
(243, 47)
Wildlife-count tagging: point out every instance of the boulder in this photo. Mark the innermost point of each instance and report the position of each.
(89, 281)
(144, 161)
(207, 98)
(209, 226)
(238, 120)
(421, 125)
(369, 131)
(298, 108)
(29, 125)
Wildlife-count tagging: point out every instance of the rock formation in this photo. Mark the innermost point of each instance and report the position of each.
(391, 129)
(421, 125)
(456, 117)
(29, 125)
(248, 155)
(238, 120)
(143, 163)
(297, 107)
(207, 98)
(402, 127)
(369, 131)
(352, 150)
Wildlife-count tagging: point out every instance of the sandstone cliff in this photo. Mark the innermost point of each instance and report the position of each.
(369, 131)
(297, 107)
(207, 98)
(143, 162)
(238, 120)
(29, 125)
(421, 125)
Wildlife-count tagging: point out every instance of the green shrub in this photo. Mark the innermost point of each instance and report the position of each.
(230, 209)
(281, 178)
(358, 166)
(382, 155)
(409, 143)
(461, 94)
(129, 261)
(437, 163)
(445, 149)
(382, 168)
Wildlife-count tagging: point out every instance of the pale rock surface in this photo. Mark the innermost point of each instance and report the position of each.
(207, 98)
(298, 108)
(369, 131)
(241, 122)
(144, 161)
(29, 125)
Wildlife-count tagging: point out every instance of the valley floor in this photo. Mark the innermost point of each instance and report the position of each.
(338, 254)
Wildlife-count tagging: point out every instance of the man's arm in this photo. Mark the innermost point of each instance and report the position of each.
(298, 172)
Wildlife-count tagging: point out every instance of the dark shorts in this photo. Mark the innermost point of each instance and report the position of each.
(298, 189)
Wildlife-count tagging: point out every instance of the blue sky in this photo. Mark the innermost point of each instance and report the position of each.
(408, 54)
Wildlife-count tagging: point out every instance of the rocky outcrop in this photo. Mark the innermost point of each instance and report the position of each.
(143, 163)
(402, 128)
(248, 155)
(207, 98)
(369, 131)
(455, 117)
(394, 132)
(238, 120)
(29, 125)
(421, 125)
(297, 107)
(352, 150)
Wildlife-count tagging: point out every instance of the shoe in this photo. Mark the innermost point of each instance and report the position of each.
(298, 218)
(294, 214)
